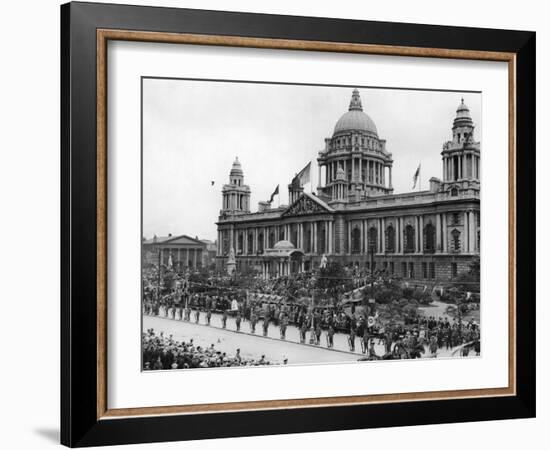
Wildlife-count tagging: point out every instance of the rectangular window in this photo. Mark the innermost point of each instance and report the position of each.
(368, 266)
(424, 270)
(432, 270)
(404, 269)
(411, 270)
(454, 270)
(392, 268)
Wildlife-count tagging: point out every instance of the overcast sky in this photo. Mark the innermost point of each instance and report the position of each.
(193, 130)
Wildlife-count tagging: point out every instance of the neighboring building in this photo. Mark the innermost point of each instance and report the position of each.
(431, 234)
(209, 255)
(181, 252)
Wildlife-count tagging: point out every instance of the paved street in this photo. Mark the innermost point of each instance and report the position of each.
(251, 346)
(256, 345)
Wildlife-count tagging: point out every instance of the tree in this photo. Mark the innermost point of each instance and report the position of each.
(331, 278)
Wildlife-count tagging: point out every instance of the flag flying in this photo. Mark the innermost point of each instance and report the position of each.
(304, 176)
(275, 192)
(415, 176)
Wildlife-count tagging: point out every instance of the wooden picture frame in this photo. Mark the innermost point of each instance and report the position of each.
(85, 417)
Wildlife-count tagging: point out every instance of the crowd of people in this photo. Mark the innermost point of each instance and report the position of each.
(316, 325)
(162, 352)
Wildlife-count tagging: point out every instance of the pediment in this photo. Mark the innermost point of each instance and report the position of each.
(307, 204)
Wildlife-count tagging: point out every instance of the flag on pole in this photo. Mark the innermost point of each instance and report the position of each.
(305, 175)
(415, 176)
(275, 192)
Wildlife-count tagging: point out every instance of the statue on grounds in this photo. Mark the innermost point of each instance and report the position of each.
(231, 263)
(324, 261)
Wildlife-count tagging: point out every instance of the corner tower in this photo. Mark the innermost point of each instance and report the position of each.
(236, 194)
(461, 155)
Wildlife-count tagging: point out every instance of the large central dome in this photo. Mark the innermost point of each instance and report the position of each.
(355, 119)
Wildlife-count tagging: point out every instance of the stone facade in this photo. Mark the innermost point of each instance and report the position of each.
(355, 217)
(182, 252)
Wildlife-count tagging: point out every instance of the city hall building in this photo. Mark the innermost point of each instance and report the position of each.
(355, 218)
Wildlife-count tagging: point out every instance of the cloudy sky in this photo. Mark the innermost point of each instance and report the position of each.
(193, 130)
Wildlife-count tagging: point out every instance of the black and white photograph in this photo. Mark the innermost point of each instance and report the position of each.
(306, 224)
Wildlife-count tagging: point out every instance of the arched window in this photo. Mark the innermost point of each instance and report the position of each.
(321, 247)
(372, 239)
(390, 239)
(307, 238)
(429, 238)
(240, 243)
(250, 243)
(356, 240)
(454, 192)
(455, 235)
(260, 242)
(408, 234)
(281, 233)
(271, 239)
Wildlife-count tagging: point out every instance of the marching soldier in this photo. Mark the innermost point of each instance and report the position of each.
(360, 332)
(303, 330)
(283, 324)
(318, 332)
(238, 321)
(253, 321)
(265, 325)
(352, 331)
(197, 315)
(330, 336)
(365, 339)
(224, 318)
(208, 316)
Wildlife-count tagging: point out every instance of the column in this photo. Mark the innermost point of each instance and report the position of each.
(366, 236)
(319, 182)
(326, 237)
(195, 258)
(383, 234)
(314, 237)
(396, 237)
(391, 184)
(444, 219)
(401, 235)
(361, 170)
(466, 234)
(362, 237)
(379, 235)
(415, 234)
(421, 234)
(438, 233)
(348, 225)
(330, 238)
(472, 232)
(352, 162)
